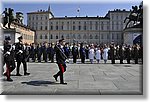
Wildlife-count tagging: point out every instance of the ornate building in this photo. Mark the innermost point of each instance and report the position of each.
(78, 29)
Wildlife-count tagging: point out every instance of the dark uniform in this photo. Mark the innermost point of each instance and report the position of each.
(87, 52)
(51, 53)
(44, 52)
(39, 52)
(121, 54)
(135, 54)
(128, 54)
(9, 58)
(74, 53)
(82, 53)
(67, 51)
(112, 54)
(60, 58)
(20, 57)
(33, 52)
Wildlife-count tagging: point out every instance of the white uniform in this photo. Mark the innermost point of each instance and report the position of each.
(105, 54)
(91, 54)
(98, 54)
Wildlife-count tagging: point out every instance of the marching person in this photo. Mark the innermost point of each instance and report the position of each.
(75, 53)
(91, 53)
(98, 55)
(128, 52)
(8, 58)
(20, 57)
(60, 58)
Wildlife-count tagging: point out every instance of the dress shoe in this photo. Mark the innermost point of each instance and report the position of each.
(64, 83)
(26, 73)
(55, 77)
(9, 80)
(18, 75)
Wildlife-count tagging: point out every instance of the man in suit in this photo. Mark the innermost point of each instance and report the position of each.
(60, 58)
(20, 57)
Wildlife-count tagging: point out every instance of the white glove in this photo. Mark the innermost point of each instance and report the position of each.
(8, 53)
(20, 51)
(67, 61)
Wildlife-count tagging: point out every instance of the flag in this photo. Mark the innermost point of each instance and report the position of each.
(78, 10)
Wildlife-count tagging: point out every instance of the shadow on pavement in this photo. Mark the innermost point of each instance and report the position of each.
(39, 83)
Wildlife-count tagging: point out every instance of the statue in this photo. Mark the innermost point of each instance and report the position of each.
(5, 18)
(8, 17)
(136, 15)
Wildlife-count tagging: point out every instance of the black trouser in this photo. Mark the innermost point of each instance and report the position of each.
(52, 58)
(74, 59)
(83, 59)
(24, 66)
(62, 69)
(39, 57)
(128, 60)
(121, 60)
(136, 60)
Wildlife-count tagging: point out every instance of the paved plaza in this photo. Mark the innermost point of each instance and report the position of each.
(94, 79)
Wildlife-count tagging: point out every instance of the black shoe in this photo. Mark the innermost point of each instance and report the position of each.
(18, 75)
(55, 77)
(26, 73)
(64, 83)
(5, 74)
(9, 80)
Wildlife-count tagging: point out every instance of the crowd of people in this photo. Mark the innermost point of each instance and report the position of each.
(46, 52)
(22, 53)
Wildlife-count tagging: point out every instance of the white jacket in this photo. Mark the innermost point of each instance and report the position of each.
(98, 54)
(91, 54)
(105, 54)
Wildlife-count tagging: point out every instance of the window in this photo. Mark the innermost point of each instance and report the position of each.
(84, 37)
(102, 28)
(79, 27)
(102, 36)
(51, 36)
(29, 18)
(67, 37)
(56, 27)
(41, 28)
(45, 36)
(62, 37)
(85, 27)
(36, 17)
(40, 36)
(112, 36)
(79, 36)
(91, 37)
(117, 36)
(51, 27)
(74, 37)
(62, 27)
(56, 37)
(74, 28)
(46, 17)
(96, 37)
(108, 36)
(45, 27)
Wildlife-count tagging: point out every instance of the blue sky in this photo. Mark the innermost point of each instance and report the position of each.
(69, 9)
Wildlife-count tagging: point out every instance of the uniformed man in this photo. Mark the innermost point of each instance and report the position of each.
(128, 54)
(60, 58)
(121, 54)
(9, 58)
(112, 53)
(52, 52)
(135, 53)
(75, 53)
(33, 52)
(20, 57)
(82, 53)
(44, 51)
(67, 50)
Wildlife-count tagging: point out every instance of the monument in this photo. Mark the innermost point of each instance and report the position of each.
(133, 31)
